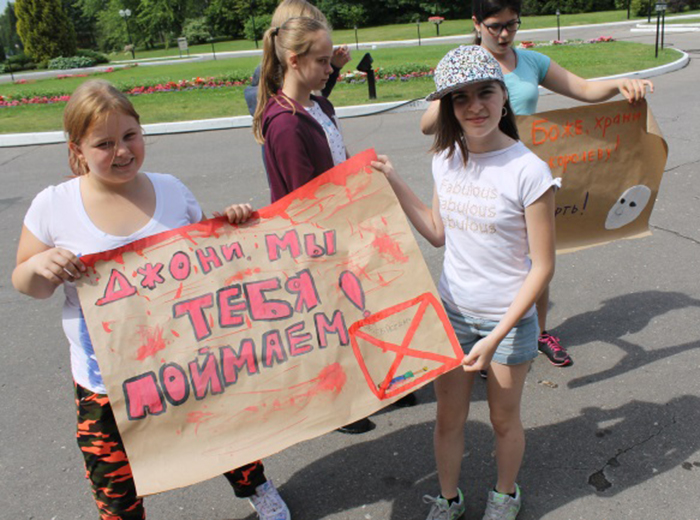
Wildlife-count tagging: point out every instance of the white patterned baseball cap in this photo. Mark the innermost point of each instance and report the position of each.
(462, 66)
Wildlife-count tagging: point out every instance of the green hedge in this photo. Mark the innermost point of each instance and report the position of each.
(73, 62)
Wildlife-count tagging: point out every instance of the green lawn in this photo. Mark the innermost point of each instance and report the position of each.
(585, 60)
(399, 32)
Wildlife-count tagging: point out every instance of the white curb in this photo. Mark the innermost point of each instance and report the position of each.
(225, 123)
(675, 28)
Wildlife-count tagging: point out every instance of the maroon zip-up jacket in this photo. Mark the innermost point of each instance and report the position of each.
(296, 147)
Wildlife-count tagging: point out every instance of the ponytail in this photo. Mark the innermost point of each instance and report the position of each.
(295, 36)
(271, 76)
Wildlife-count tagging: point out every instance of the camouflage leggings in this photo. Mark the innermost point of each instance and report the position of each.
(107, 465)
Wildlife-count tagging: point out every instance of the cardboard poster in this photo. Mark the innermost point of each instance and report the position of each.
(611, 158)
(222, 344)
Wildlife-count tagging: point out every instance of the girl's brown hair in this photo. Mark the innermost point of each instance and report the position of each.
(450, 135)
(295, 36)
(91, 102)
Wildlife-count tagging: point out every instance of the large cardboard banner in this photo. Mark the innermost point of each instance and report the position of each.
(223, 344)
(611, 158)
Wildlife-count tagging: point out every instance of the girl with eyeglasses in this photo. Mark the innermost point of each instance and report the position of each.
(496, 23)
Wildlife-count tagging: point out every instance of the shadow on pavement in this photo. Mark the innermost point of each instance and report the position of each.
(602, 452)
(619, 317)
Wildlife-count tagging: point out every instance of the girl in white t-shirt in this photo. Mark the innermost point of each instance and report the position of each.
(493, 210)
(109, 203)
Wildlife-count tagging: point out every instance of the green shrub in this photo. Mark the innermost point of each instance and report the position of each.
(262, 24)
(73, 62)
(641, 7)
(404, 69)
(677, 6)
(196, 31)
(20, 62)
(97, 57)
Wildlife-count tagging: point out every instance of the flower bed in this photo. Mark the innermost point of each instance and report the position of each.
(530, 44)
(35, 100)
(231, 80)
(404, 72)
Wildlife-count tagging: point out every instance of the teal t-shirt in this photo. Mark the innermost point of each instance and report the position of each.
(523, 82)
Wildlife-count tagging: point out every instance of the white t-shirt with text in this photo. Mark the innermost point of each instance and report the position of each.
(57, 217)
(482, 207)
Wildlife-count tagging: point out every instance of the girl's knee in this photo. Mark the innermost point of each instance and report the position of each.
(504, 422)
(450, 423)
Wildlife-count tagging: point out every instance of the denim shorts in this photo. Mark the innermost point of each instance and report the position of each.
(519, 345)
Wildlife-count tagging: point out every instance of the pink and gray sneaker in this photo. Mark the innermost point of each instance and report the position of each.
(549, 346)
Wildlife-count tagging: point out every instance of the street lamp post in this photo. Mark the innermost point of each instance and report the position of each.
(660, 10)
(558, 26)
(9, 63)
(357, 42)
(126, 14)
(663, 25)
(418, 28)
(252, 16)
(213, 50)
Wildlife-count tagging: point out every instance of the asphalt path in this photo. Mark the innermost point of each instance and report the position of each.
(614, 436)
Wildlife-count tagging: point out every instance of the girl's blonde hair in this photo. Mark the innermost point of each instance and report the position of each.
(294, 36)
(91, 102)
(296, 9)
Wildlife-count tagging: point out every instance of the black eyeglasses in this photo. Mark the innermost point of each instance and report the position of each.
(497, 28)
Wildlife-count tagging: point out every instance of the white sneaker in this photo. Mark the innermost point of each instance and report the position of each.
(442, 510)
(503, 507)
(268, 503)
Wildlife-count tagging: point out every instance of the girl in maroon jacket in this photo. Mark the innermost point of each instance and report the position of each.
(300, 132)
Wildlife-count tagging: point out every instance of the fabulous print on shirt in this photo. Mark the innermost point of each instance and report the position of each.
(482, 207)
(468, 207)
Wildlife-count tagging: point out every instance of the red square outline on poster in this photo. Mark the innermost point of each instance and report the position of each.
(403, 350)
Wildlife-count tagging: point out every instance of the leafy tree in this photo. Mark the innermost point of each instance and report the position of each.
(2, 53)
(157, 17)
(85, 25)
(45, 29)
(353, 15)
(8, 30)
(111, 33)
(223, 18)
(262, 23)
(196, 30)
(164, 17)
(229, 17)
